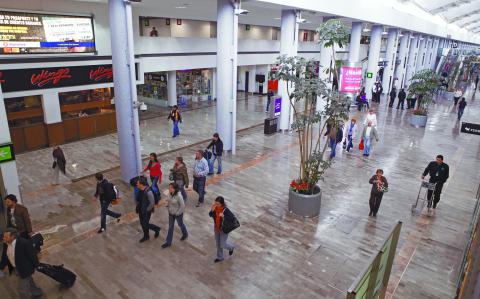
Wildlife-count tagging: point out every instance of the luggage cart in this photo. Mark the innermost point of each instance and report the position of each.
(422, 197)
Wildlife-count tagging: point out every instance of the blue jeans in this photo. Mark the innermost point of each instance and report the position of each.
(460, 113)
(104, 212)
(333, 145)
(199, 187)
(181, 187)
(219, 159)
(154, 180)
(176, 130)
(349, 142)
(222, 243)
(171, 223)
(366, 150)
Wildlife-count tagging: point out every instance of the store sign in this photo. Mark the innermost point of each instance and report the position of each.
(470, 128)
(43, 78)
(33, 33)
(351, 79)
(6, 153)
(278, 106)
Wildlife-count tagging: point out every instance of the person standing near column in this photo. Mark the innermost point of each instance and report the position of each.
(18, 217)
(200, 172)
(59, 164)
(220, 213)
(379, 186)
(145, 208)
(105, 192)
(401, 98)
(19, 254)
(176, 118)
(217, 149)
(438, 172)
(176, 207)
(393, 95)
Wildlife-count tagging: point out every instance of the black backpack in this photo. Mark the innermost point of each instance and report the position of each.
(110, 193)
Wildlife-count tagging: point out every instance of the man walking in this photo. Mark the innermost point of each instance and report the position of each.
(217, 149)
(401, 98)
(350, 133)
(145, 208)
(461, 108)
(18, 254)
(438, 172)
(105, 192)
(200, 172)
(18, 217)
(393, 95)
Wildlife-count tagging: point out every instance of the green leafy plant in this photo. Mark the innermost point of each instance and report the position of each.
(304, 85)
(424, 85)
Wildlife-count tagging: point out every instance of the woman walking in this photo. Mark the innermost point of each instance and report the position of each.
(369, 132)
(180, 176)
(379, 186)
(59, 164)
(219, 212)
(176, 207)
(155, 170)
(176, 118)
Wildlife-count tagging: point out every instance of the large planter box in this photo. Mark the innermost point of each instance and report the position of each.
(304, 205)
(418, 120)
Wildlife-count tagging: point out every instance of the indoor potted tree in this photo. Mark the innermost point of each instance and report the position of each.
(423, 85)
(304, 86)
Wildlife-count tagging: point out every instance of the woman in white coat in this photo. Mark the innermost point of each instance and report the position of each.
(349, 134)
(371, 117)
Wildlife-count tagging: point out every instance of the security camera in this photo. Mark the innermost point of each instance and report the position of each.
(241, 12)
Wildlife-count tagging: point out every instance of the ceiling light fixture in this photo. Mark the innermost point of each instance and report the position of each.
(184, 5)
(366, 29)
(277, 18)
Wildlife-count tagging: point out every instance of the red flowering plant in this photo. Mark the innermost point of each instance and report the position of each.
(300, 187)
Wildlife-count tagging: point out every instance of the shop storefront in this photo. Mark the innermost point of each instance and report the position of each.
(80, 113)
(154, 91)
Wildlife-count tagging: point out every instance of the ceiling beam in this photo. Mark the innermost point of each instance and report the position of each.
(448, 6)
(471, 24)
(463, 15)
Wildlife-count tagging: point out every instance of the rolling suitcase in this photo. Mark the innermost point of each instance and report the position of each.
(59, 273)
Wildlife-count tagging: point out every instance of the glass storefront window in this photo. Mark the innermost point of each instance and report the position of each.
(24, 111)
(86, 102)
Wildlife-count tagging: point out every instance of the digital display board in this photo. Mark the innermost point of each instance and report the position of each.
(33, 33)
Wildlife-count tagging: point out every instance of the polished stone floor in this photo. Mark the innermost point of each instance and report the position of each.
(278, 255)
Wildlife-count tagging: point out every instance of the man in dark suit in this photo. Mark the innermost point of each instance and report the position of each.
(18, 217)
(145, 208)
(439, 173)
(18, 254)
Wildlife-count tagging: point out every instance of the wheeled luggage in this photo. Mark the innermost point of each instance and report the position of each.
(59, 273)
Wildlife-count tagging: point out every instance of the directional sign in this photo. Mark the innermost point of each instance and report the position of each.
(6, 153)
(470, 128)
(369, 75)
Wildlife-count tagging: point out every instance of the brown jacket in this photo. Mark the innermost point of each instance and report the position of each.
(22, 219)
(181, 174)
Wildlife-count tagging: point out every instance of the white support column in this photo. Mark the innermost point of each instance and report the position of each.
(172, 88)
(121, 32)
(288, 46)
(373, 57)
(226, 109)
(421, 53)
(428, 53)
(390, 58)
(325, 61)
(51, 108)
(214, 84)
(412, 59)
(436, 43)
(354, 46)
(403, 57)
(252, 71)
(8, 170)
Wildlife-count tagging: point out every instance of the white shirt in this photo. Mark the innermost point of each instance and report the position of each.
(11, 252)
(372, 118)
(367, 133)
(12, 219)
(458, 93)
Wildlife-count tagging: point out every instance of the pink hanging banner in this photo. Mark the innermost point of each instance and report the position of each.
(351, 79)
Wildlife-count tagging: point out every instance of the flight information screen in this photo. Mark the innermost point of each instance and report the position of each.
(33, 33)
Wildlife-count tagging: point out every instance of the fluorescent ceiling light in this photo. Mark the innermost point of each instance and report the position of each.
(184, 5)
(277, 18)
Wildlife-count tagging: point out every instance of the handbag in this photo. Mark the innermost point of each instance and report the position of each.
(116, 201)
(230, 225)
(54, 164)
(361, 146)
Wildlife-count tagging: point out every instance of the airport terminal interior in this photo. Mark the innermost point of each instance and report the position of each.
(240, 149)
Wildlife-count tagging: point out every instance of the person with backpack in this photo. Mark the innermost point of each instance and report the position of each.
(155, 170)
(176, 207)
(105, 192)
(217, 149)
(221, 214)
(145, 208)
(176, 118)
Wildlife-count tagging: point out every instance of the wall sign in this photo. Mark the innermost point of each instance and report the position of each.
(55, 77)
(470, 128)
(351, 79)
(278, 106)
(369, 75)
(6, 153)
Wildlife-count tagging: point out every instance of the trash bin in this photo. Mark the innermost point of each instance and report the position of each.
(270, 126)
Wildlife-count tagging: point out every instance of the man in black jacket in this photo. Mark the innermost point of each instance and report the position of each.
(438, 172)
(144, 209)
(106, 194)
(217, 149)
(401, 98)
(19, 255)
(393, 95)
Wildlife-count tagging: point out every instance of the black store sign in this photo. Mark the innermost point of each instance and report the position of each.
(43, 78)
(470, 128)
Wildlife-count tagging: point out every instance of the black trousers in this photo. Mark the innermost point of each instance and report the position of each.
(436, 195)
(392, 100)
(400, 103)
(146, 225)
(104, 212)
(375, 201)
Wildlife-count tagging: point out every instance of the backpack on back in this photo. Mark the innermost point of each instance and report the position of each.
(111, 191)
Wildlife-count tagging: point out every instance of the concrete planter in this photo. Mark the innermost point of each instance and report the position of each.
(304, 205)
(418, 120)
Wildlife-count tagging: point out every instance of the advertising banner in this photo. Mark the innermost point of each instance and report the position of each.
(351, 79)
(278, 106)
(32, 33)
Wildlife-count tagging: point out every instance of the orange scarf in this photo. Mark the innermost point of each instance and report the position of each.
(218, 210)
